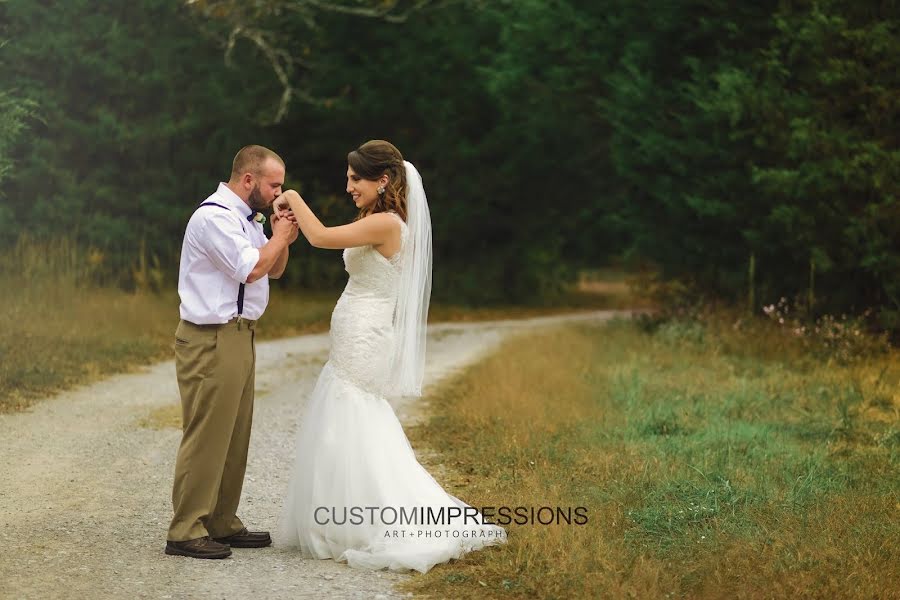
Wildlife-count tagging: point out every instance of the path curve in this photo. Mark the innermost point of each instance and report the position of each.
(85, 490)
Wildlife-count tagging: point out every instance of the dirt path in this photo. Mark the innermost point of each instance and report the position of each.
(85, 490)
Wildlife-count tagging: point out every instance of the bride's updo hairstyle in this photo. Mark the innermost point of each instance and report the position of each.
(374, 159)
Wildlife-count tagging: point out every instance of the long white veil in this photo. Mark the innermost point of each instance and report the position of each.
(411, 313)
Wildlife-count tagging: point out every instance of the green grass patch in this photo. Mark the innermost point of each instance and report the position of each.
(715, 461)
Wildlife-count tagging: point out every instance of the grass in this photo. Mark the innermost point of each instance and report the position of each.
(60, 331)
(64, 334)
(716, 459)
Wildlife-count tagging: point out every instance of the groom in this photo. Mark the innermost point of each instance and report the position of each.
(223, 283)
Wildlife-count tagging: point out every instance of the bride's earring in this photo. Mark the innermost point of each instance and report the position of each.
(380, 190)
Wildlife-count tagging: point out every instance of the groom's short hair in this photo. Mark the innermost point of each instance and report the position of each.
(250, 159)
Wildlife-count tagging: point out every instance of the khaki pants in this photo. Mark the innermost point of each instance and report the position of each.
(215, 365)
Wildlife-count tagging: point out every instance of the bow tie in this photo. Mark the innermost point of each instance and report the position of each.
(251, 216)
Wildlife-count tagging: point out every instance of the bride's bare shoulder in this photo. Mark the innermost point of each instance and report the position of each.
(385, 219)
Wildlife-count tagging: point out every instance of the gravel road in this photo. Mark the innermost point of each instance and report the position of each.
(85, 489)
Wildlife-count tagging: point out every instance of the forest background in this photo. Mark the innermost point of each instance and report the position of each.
(748, 151)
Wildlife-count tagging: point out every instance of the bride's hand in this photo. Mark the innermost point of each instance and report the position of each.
(286, 214)
(282, 206)
(282, 202)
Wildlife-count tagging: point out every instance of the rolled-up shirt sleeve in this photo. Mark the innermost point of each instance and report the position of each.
(228, 246)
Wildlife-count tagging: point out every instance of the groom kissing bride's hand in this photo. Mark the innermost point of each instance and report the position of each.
(281, 208)
(377, 337)
(285, 224)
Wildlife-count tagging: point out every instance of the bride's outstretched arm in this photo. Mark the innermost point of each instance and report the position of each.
(374, 229)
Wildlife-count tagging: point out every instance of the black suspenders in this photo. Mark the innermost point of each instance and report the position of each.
(240, 298)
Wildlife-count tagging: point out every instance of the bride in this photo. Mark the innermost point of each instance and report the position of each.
(357, 493)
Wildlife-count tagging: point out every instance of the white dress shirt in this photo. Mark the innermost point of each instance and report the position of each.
(220, 249)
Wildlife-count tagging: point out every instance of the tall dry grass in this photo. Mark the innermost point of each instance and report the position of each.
(61, 330)
(64, 327)
(67, 323)
(716, 461)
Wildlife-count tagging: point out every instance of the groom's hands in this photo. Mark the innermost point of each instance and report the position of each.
(273, 256)
(285, 226)
(287, 214)
(282, 208)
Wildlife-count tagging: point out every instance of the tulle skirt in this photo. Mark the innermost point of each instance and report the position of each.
(357, 494)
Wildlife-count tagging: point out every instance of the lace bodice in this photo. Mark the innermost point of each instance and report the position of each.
(362, 322)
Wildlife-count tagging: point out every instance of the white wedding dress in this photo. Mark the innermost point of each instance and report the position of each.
(354, 468)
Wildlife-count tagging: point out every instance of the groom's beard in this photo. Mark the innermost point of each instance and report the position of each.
(256, 201)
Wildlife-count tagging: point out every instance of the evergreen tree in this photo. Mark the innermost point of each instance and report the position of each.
(136, 117)
(827, 117)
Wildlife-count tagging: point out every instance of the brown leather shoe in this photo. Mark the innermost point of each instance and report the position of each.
(246, 539)
(198, 548)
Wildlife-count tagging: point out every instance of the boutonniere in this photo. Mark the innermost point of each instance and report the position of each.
(260, 218)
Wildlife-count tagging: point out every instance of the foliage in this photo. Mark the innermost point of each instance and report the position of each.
(748, 151)
(764, 132)
(842, 340)
(260, 23)
(677, 140)
(136, 118)
(13, 113)
(827, 113)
